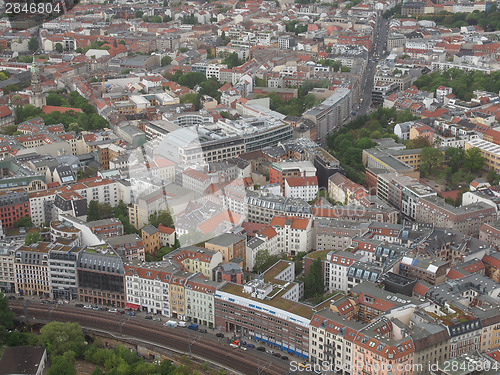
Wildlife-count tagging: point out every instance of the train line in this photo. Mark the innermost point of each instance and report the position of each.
(178, 339)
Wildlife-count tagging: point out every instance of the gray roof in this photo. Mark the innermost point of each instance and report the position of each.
(21, 360)
(226, 239)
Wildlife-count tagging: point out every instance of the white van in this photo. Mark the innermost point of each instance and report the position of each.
(182, 324)
(171, 323)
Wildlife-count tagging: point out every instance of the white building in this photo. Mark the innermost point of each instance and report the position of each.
(200, 306)
(301, 187)
(336, 266)
(147, 287)
(294, 233)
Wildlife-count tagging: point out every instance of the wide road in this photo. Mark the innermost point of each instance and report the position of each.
(379, 44)
(202, 345)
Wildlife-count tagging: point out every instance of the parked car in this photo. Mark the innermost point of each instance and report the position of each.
(261, 349)
(103, 309)
(131, 313)
(284, 357)
(202, 330)
(87, 307)
(182, 324)
(113, 311)
(76, 305)
(235, 344)
(269, 352)
(148, 317)
(157, 319)
(12, 297)
(95, 307)
(251, 346)
(221, 335)
(278, 355)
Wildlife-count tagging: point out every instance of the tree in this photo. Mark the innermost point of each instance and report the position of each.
(456, 158)
(432, 157)
(60, 338)
(24, 222)
(59, 47)
(166, 60)
(32, 237)
(474, 160)
(6, 317)
(63, 364)
(161, 217)
(93, 211)
(232, 60)
(54, 99)
(419, 142)
(191, 79)
(33, 44)
(313, 283)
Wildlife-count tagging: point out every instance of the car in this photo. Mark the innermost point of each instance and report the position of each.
(251, 346)
(95, 308)
(12, 297)
(20, 298)
(43, 302)
(261, 349)
(284, 357)
(148, 317)
(221, 335)
(103, 309)
(79, 305)
(278, 355)
(269, 352)
(156, 319)
(302, 365)
(113, 311)
(131, 313)
(243, 348)
(202, 330)
(87, 307)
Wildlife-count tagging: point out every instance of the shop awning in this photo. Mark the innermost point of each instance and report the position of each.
(297, 353)
(304, 356)
(284, 348)
(132, 306)
(290, 351)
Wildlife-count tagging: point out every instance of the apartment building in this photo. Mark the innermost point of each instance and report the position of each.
(262, 207)
(301, 187)
(336, 267)
(335, 234)
(14, 205)
(343, 190)
(294, 234)
(279, 172)
(31, 270)
(106, 227)
(147, 287)
(128, 246)
(267, 310)
(230, 245)
(200, 300)
(331, 113)
(101, 277)
(177, 294)
(430, 270)
(7, 271)
(151, 238)
(63, 261)
(195, 259)
(466, 219)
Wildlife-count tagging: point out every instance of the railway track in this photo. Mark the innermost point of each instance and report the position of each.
(178, 339)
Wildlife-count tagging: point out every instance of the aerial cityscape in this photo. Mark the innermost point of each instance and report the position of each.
(267, 187)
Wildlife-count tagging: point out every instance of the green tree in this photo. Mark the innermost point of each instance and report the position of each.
(32, 237)
(166, 60)
(419, 142)
(24, 222)
(456, 158)
(93, 212)
(63, 364)
(59, 47)
(33, 44)
(432, 157)
(54, 99)
(162, 217)
(139, 14)
(191, 79)
(474, 160)
(232, 60)
(264, 260)
(313, 283)
(6, 318)
(60, 338)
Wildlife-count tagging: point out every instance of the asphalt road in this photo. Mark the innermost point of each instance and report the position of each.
(200, 345)
(379, 45)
